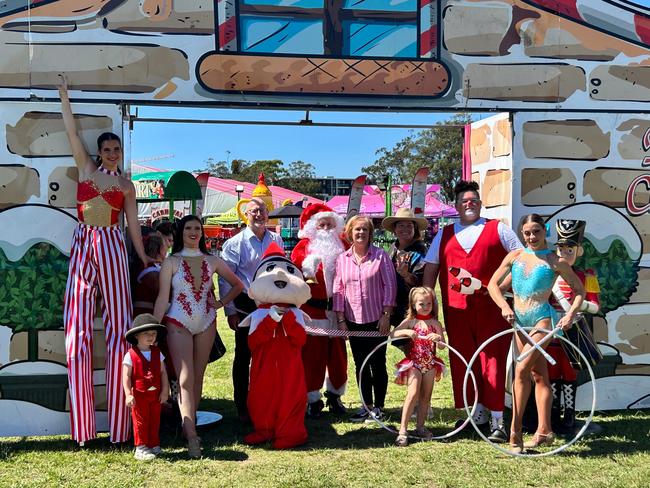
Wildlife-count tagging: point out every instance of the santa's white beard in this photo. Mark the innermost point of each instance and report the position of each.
(327, 245)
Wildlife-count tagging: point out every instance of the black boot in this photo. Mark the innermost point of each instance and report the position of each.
(334, 403)
(556, 407)
(569, 390)
(315, 408)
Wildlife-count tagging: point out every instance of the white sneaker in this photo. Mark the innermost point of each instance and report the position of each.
(482, 416)
(155, 450)
(142, 453)
(375, 414)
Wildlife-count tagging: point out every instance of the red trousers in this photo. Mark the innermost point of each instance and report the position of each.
(467, 329)
(146, 418)
(322, 354)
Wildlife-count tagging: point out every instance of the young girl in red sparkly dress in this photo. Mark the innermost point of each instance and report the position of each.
(421, 367)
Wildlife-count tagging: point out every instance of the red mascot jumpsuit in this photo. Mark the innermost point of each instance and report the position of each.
(277, 393)
(146, 381)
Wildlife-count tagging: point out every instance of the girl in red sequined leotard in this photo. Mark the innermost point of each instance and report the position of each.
(98, 261)
(421, 367)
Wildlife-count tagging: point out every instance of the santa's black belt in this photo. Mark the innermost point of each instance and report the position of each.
(321, 303)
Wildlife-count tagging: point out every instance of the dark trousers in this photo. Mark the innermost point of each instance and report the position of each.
(241, 368)
(375, 377)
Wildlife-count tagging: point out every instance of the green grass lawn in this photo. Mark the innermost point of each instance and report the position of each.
(339, 453)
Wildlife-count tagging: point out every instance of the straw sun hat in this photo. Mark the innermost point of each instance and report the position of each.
(404, 214)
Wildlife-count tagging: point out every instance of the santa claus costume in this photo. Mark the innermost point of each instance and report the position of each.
(277, 393)
(324, 358)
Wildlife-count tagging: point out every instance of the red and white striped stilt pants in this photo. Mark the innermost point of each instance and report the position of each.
(98, 261)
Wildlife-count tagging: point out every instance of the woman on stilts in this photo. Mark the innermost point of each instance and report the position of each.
(98, 261)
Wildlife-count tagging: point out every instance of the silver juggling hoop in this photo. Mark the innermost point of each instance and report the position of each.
(562, 447)
(391, 429)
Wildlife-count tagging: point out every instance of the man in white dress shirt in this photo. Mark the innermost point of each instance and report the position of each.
(464, 256)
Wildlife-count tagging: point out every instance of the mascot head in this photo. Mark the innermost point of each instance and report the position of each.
(277, 280)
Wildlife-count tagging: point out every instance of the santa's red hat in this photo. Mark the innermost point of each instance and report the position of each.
(317, 211)
(272, 253)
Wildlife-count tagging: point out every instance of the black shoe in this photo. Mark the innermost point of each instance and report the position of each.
(498, 435)
(334, 403)
(556, 418)
(569, 422)
(314, 409)
(244, 418)
(360, 416)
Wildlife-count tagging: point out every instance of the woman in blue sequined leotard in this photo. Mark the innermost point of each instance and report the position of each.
(533, 271)
(531, 286)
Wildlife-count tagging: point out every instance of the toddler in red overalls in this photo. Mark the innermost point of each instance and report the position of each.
(145, 384)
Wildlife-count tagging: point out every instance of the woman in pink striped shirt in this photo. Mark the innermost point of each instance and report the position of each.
(364, 297)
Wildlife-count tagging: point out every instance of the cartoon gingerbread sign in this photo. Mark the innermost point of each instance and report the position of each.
(376, 48)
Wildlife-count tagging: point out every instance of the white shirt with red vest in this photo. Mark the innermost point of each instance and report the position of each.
(467, 235)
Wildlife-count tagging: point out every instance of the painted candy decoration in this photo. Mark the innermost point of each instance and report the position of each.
(627, 19)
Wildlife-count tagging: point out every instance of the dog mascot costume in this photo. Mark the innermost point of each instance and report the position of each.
(277, 395)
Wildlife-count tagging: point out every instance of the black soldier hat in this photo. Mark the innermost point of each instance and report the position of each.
(570, 232)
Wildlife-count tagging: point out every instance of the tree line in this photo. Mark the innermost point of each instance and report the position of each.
(298, 175)
(439, 148)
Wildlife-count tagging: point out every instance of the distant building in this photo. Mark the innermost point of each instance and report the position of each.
(329, 187)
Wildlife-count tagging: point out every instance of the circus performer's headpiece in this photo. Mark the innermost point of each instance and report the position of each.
(570, 232)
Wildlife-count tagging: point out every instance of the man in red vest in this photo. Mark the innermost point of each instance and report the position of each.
(464, 256)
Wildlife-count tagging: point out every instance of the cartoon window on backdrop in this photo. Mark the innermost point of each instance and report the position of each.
(338, 28)
(387, 48)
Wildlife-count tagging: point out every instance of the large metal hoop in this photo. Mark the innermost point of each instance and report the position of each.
(540, 454)
(392, 430)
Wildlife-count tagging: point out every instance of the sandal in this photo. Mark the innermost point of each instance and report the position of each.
(516, 443)
(541, 440)
(402, 440)
(424, 434)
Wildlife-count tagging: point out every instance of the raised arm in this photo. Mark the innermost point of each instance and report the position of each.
(82, 159)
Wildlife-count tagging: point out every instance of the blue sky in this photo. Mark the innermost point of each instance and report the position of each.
(339, 152)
